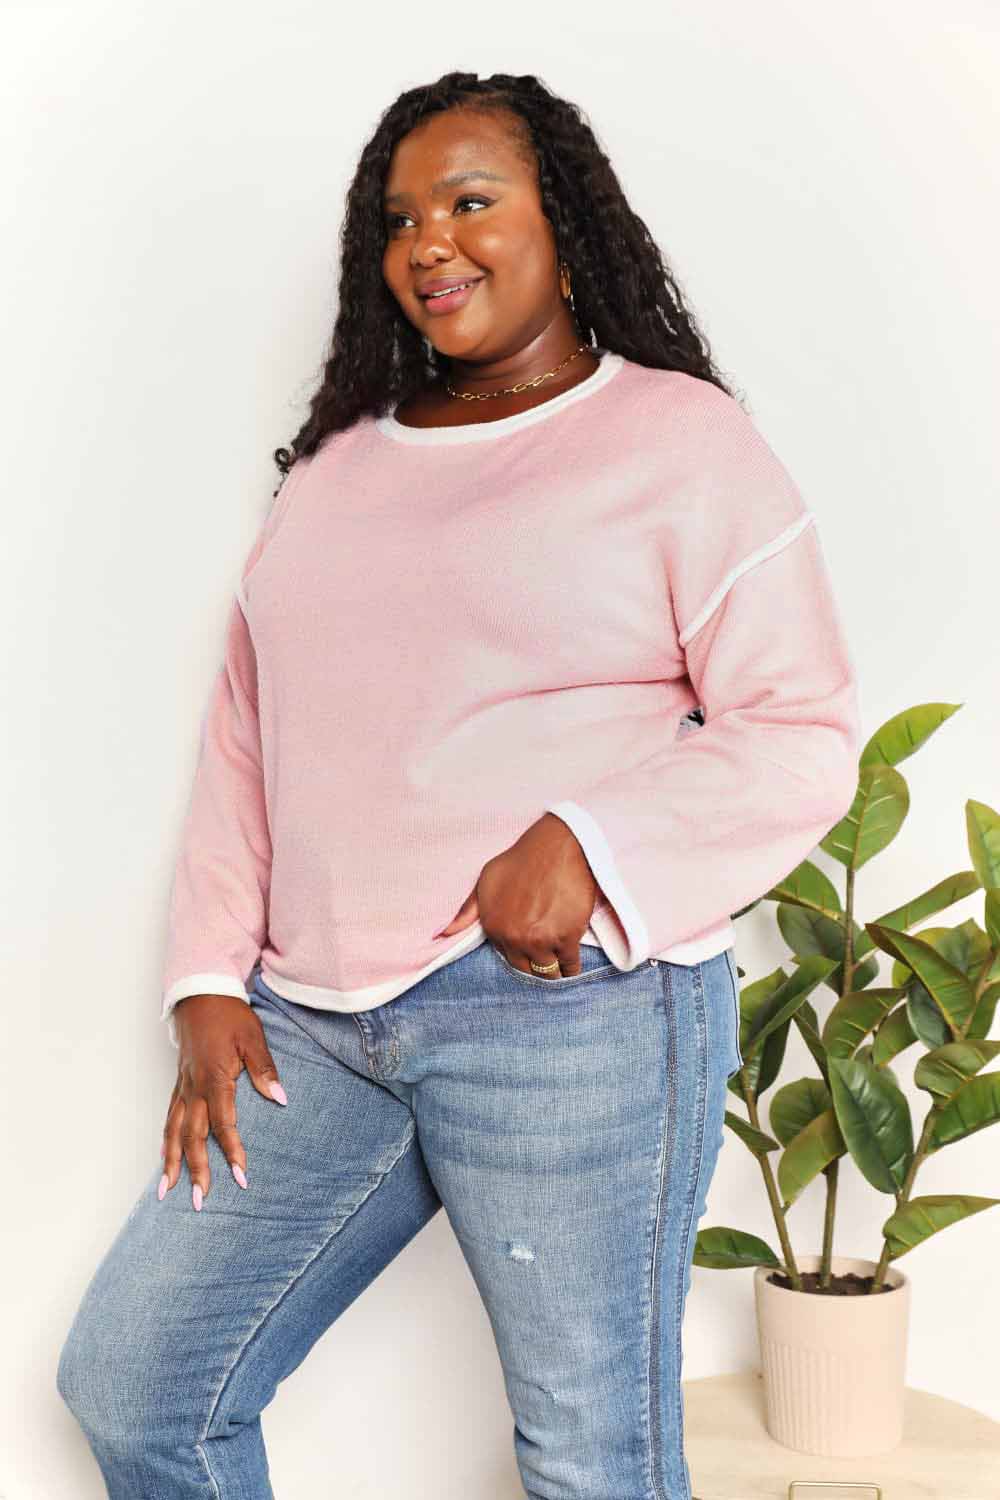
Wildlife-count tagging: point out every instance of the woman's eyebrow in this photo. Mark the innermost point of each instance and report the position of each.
(453, 181)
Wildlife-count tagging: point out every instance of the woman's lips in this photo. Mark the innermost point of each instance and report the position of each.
(451, 301)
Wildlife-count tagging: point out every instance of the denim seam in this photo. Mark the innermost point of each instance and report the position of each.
(731, 964)
(208, 1469)
(369, 1059)
(409, 1136)
(694, 1175)
(694, 1179)
(653, 1365)
(392, 1064)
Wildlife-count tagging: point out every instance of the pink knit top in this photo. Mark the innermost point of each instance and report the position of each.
(441, 633)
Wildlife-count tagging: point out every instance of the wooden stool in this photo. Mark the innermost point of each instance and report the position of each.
(947, 1450)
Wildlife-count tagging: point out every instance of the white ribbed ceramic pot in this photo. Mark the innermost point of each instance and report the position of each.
(834, 1367)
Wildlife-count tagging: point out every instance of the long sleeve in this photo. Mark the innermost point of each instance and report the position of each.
(218, 904)
(709, 823)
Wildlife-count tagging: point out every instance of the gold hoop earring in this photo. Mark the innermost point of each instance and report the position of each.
(565, 284)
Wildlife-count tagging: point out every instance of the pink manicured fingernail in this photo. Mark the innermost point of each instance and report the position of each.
(196, 1196)
(238, 1173)
(161, 1190)
(278, 1093)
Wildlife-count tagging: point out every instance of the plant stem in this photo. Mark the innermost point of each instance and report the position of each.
(904, 1193)
(771, 1187)
(847, 979)
(979, 987)
(830, 1173)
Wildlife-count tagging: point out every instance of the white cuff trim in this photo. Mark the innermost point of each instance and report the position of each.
(202, 984)
(198, 984)
(601, 859)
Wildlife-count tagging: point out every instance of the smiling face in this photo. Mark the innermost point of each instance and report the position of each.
(461, 201)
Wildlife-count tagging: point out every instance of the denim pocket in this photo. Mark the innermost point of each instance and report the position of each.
(734, 977)
(594, 964)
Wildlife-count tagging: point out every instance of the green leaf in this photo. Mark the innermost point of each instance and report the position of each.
(953, 888)
(807, 886)
(813, 933)
(874, 1119)
(807, 1025)
(925, 1019)
(943, 1071)
(993, 917)
(972, 1107)
(795, 1104)
(921, 1217)
(982, 1022)
(763, 1067)
(905, 732)
(947, 986)
(967, 947)
(982, 826)
(808, 930)
(755, 1140)
(783, 1002)
(807, 1153)
(854, 1016)
(723, 1249)
(753, 996)
(864, 1054)
(876, 815)
(964, 945)
(893, 1036)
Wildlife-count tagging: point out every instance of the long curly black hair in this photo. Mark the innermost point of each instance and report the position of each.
(625, 297)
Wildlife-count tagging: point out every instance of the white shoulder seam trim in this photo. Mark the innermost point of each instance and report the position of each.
(777, 544)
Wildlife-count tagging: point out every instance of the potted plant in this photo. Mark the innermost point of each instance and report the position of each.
(833, 1330)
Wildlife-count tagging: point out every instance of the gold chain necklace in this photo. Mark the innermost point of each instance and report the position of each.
(512, 390)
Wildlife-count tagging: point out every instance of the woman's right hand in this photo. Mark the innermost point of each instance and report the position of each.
(217, 1035)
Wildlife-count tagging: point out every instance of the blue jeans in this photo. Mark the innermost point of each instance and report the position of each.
(570, 1128)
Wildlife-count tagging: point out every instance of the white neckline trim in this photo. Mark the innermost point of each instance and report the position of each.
(477, 432)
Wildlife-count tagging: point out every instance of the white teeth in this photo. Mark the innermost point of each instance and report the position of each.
(448, 290)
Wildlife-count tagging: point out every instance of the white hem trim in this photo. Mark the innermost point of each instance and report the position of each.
(321, 997)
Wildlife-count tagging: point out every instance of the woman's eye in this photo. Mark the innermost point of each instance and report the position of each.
(392, 222)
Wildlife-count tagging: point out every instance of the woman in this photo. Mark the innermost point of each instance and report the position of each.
(450, 921)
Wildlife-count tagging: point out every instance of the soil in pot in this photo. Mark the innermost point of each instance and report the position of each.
(847, 1284)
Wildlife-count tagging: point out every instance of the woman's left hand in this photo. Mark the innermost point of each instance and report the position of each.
(535, 899)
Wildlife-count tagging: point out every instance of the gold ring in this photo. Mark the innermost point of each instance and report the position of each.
(543, 968)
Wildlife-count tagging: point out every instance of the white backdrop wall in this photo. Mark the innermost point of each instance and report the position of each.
(174, 187)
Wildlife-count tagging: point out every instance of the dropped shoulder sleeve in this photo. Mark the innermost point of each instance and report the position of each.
(710, 822)
(217, 919)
